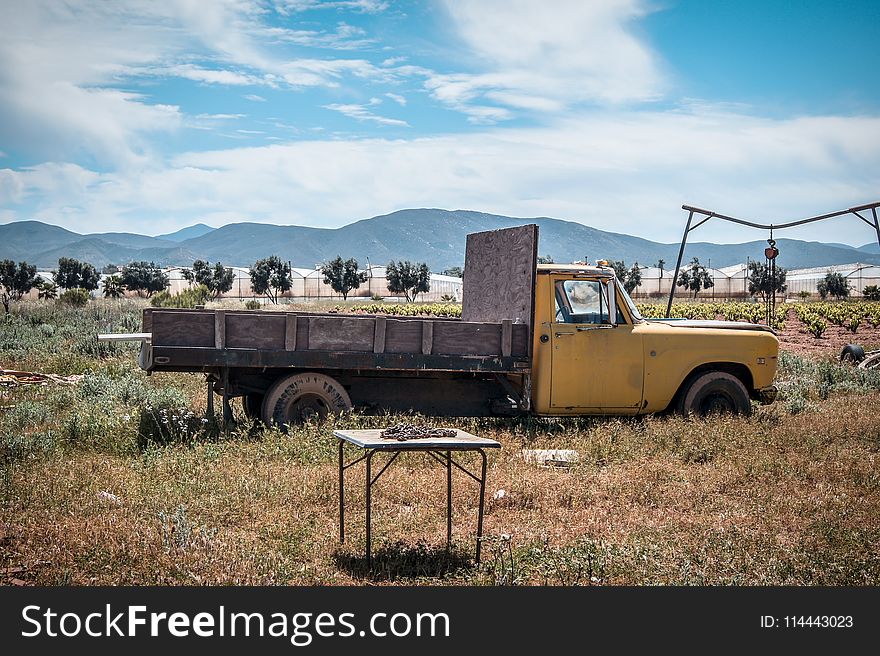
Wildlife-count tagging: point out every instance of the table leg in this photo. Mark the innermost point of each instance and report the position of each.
(341, 495)
(448, 500)
(369, 485)
(482, 503)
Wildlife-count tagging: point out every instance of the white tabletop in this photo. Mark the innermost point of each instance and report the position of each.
(372, 439)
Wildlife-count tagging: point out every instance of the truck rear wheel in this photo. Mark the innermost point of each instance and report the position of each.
(301, 397)
(253, 405)
(715, 392)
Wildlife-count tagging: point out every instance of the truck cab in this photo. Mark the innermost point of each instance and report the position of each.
(593, 353)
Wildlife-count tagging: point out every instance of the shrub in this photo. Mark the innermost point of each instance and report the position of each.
(253, 304)
(817, 327)
(871, 292)
(75, 297)
(188, 298)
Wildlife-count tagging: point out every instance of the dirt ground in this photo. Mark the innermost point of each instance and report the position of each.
(795, 339)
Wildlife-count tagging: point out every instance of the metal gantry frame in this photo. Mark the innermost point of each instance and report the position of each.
(708, 214)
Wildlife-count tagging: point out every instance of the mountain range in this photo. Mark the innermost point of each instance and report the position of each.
(423, 235)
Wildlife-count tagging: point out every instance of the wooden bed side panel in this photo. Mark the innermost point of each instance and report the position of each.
(403, 336)
(341, 333)
(520, 343)
(182, 328)
(256, 331)
(466, 339)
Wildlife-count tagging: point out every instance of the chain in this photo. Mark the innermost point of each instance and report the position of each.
(403, 432)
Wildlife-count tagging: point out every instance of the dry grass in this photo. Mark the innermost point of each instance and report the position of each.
(778, 498)
(766, 500)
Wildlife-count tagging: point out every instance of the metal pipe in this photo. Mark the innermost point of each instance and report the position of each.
(876, 223)
(482, 504)
(369, 485)
(687, 229)
(341, 494)
(448, 500)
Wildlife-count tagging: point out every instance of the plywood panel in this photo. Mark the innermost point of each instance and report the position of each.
(467, 339)
(403, 336)
(258, 330)
(341, 334)
(183, 328)
(499, 275)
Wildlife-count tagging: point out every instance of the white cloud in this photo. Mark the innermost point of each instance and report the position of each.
(213, 75)
(396, 97)
(11, 186)
(361, 113)
(359, 6)
(254, 97)
(345, 37)
(546, 57)
(623, 171)
(65, 65)
(220, 117)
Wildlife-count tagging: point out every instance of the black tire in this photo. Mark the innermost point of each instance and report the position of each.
(252, 404)
(715, 392)
(852, 353)
(301, 397)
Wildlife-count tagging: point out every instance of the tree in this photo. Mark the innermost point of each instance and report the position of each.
(545, 259)
(834, 284)
(270, 276)
(660, 264)
(454, 272)
(343, 276)
(629, 278)
(143, 277)
(113, 287)
(47, 290)
(762, 282)
(633, 278)
(695, 278)
(217, 279)
(408, 278)
(15, 281)
(871, 292)
(110, 269)
(73, 274)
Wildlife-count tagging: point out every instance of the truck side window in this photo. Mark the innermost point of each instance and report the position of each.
(581, 301)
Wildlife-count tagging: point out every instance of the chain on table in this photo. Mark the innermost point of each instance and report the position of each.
(404, 432)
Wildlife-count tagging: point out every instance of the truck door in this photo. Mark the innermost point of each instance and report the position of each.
(597, 359)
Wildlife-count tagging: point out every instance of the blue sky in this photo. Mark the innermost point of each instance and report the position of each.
(149, 116)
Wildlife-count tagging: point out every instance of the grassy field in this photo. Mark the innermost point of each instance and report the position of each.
(119, 479)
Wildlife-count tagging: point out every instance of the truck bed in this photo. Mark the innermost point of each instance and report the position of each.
(201, 340)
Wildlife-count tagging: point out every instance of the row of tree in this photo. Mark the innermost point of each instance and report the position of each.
(16, 280)
(272, 276)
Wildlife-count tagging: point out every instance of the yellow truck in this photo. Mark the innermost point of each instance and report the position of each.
(540, 339)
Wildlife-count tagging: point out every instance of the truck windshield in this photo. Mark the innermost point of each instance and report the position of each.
(633, 310)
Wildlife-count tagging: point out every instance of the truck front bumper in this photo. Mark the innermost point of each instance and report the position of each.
(767, 395)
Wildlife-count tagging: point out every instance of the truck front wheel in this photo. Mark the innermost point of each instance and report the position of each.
(302, 397)
(715, 392)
